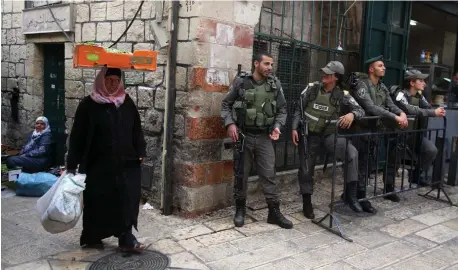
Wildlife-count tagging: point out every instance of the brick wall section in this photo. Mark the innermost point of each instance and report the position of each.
(220, 37)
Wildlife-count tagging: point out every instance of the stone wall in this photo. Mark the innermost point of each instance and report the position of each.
(101, 22)
(220, 37)
(15, 77)
(213, 38)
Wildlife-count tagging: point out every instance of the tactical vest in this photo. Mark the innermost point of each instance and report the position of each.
(321, 115)
(414, 101)
(259, 104)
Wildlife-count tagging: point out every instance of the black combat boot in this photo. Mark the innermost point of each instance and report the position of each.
(365, 205)
(276, 217)
(416, 177)
(351, 197)
(391, 197)
(307, 207)
(240, 210)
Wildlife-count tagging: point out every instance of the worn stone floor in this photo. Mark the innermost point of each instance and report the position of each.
(416, 233)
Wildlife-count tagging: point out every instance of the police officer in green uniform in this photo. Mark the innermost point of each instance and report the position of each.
(261, 98)
(412, 102)
(324, 105)
(373, 96)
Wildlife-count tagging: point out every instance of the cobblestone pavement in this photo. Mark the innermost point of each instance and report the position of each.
(416, 233)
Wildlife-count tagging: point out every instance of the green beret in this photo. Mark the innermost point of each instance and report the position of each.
(373, 59)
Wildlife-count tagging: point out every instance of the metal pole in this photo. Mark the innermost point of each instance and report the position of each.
(169, 114)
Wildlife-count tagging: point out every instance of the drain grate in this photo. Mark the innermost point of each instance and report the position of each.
(148, 260)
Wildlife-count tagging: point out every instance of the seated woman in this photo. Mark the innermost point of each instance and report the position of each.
(35, 156)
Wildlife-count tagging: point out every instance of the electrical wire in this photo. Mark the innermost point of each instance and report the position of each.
(130, 24)
(58, 23)
(341, 24)
(123, 34)
(73, 42)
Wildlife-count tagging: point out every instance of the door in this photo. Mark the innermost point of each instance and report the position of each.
(386, 32)
(54, 98)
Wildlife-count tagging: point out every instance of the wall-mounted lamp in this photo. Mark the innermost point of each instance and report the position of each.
(412, 22)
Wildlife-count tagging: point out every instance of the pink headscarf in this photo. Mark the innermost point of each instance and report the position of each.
(100, 95)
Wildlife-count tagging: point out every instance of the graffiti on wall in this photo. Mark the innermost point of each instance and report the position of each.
(189, 4)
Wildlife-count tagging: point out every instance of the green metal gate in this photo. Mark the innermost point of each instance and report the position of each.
(302, 36)
(386, 32)
(54, 98)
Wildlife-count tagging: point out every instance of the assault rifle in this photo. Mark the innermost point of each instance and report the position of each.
(304, 125)
(238, 154)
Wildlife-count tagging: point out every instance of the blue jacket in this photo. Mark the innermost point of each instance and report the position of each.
(39, 147)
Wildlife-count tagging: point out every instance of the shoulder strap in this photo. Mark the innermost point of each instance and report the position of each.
(314, 91)
(247, 83)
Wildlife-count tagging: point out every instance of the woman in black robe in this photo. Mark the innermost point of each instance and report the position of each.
(107, 143)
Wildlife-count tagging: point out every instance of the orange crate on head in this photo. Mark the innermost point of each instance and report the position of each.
(89, 56)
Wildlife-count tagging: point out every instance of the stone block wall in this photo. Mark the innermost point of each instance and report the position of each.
(213, 38)
(220, 37)
(101, 22)
(16, 77)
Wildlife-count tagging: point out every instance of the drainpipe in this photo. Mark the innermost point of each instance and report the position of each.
(169, 114)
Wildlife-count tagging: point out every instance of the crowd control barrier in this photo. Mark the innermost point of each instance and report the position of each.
(379, 142)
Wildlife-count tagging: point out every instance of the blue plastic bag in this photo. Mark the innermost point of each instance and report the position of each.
(34, 185)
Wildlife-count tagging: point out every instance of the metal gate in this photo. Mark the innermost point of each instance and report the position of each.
(386, 32)
(54, 98)
(302, 36)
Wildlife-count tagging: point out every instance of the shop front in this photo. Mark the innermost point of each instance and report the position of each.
(432, 47)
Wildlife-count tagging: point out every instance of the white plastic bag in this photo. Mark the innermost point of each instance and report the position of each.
(61, 207)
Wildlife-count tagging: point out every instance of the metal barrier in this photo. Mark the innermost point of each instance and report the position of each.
(402, 140)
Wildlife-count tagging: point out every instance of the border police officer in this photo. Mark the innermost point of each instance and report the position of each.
(411, 101)
(373, 96)
(261, 98)
(324, 105)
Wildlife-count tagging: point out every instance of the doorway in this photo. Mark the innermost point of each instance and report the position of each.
(54, 98)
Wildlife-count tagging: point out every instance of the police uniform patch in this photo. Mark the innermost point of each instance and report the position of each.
(320, 107)
(353, 101)
(402, 98)
(361, 92)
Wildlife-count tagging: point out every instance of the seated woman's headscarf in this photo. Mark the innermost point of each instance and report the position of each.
(99, 92)
(47, 128)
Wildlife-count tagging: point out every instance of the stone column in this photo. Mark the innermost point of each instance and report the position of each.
(220, 37)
